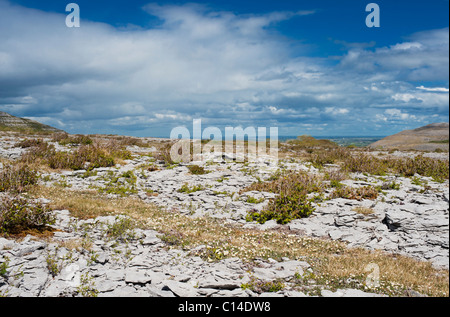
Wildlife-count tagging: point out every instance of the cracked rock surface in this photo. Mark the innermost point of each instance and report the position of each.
(411, 221)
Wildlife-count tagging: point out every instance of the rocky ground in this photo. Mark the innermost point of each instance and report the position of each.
(411, 219)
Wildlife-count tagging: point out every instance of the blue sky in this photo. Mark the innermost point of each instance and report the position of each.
(308, 67)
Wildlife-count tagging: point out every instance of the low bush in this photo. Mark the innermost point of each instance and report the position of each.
(260, 286)
(187, 190)
(97, 156)
(319, 158)
(86, 156)
(407, 167)
(164, 154)
(284, 209)
(65, 160)
(76, 140)
(122, 229)
(287, 181)
(197, 170)
(391, 186)
(359, 193)
(27, 143)
(365, 163)
(424, 166)
(130, 141)
(123, 185)
(308, 142)
(39, 151)
(292, 201)
(17, 178)
(18, 214)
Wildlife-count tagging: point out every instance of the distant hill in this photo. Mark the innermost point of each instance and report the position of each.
(12, 123)
(307, 141)
(428, 138)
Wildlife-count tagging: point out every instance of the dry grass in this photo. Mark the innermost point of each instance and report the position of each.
(332, 261)
(90, 155)
(359, 193)
(363, 210)
(397, 273)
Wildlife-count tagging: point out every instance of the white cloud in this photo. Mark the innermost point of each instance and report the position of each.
(199, 63)
(406, 97)
(435, 89)
(336, 111)
(392, 115)
(423, 58)
(406, 46)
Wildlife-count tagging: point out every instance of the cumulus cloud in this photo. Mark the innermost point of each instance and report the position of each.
(224, 68)
(422, 57)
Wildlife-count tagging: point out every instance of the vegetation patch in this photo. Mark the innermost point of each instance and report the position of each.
(354, 161)
(84, 157)
(292, 201)
(17, 178)
(309, 142)
(197, 170)
(72, 140)
(19, 214)
(121, 230)
(122, 185)
(27, 143)
(259, 286)
(440, 142)
(187, 189)
(330, 260)
(359, 193)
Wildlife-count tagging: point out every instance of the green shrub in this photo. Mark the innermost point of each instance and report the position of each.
(76, 140)
(187, 190)
(292, 201)
(123, 185)
(253, 200)
(197, 170)
(172, 237)
(390, 186)
(122, 229)
(336, 184)
(288, 181)
(17, 178)
(18, 214)
(260, 286)
(284, 209)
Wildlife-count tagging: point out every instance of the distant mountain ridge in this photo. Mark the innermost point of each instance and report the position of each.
(427, 138)
(11, 123)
